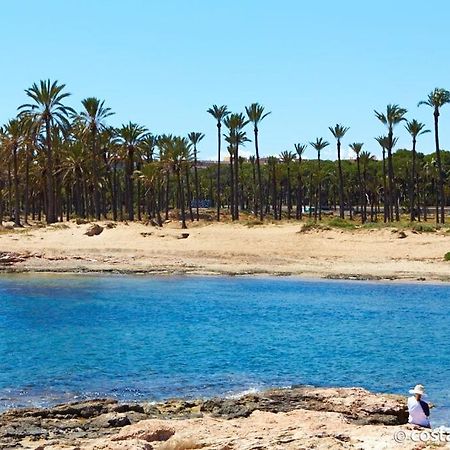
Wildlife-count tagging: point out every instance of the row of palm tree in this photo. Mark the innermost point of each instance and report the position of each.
(59, 163)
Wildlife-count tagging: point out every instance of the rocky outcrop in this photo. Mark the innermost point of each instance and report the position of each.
(107, 424)
(357, 405)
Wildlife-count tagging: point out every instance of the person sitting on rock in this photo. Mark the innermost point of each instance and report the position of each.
(419, 411)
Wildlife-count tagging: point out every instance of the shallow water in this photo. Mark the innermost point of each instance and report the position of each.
(134, 338)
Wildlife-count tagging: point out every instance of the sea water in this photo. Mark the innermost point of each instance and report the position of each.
(65, 338)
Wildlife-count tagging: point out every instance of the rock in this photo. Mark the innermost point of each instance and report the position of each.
(111, 225)
(402, 235)
(23, 430)
(86, 410)
(110, 420)
(124, 407)
(147, 430)
(356, 404)
(8, 258)
(94, 230)
(80, 221)
(183, 236)
(146, 234)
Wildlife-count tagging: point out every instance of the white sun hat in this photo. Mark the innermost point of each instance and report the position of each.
(418, 389)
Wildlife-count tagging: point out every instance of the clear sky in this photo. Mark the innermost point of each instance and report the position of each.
(162, 63)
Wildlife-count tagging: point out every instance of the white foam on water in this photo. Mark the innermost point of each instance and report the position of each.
(242, 393)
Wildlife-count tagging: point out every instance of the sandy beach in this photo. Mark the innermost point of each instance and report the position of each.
(232, 249)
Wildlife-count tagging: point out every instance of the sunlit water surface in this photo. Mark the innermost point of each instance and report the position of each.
(143, 338)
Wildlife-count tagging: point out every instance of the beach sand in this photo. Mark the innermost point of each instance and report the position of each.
(226, 248)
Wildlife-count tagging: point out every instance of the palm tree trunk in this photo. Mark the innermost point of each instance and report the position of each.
(16, 188)
(188, 192)
(130, 190)
(232, 186)
(96, 193)
(181, 198)
(341, 181)
(439, 164)
(218, 169)
(236, 183)
(289, 198)
(197, 198)
(27, 185)
(412, 184)
(50, 211)
(258, 169)
(361, 200)
(166, 198)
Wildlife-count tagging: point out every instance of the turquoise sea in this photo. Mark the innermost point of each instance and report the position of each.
(145, 338)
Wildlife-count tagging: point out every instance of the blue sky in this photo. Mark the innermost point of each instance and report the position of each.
(163, 63)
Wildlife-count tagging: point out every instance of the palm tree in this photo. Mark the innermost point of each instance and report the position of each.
(319, 145)
(384, 143)
(356, 147)
(219, 113)
(195, 138)
(415, 129)
(436, 99)
(13, 139)
(46, 112)
(130, 136)
(394, 115)
(92, 119)
(177, 151)
(235, 123)
(255, 114)
(287, 158)
(365, 158)
(339, 132)
(300, 149)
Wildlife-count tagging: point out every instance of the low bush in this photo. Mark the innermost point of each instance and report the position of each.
(337, 222)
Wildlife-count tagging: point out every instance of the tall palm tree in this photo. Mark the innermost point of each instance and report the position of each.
(288, 158)
(319, 145)
(383, 141)
(130, 136)
(195, 138)
(255, 114)
(219, 113)
(393, 116)
(48, 110)
(357, 147)
(300, 149)
(339, 132)
(177, 153)
(436, 100)
(235, 123)
(92, 119)
(415, 129)
(365, 158)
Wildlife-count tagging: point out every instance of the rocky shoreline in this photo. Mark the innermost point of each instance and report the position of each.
(306, 414)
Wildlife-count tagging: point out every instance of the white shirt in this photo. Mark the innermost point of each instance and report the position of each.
(416, 414)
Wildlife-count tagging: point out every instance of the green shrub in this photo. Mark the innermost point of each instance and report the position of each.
(423, 228)
(310, 226)
(337, 222)
(447, 256)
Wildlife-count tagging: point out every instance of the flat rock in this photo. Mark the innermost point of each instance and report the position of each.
(147, 430)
